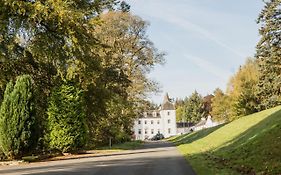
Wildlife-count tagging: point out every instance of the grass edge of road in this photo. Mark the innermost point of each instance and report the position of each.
(130, 145)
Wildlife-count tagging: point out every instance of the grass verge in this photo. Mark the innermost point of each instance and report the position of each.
(124, 146)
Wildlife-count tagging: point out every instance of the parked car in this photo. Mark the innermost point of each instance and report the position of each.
(158, 136)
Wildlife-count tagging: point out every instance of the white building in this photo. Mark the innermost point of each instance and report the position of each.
(161, 121)
(205, 123)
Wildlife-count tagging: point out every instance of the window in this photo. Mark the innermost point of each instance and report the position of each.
(169, 130)
(139, 131)
(139, 122)
(145, 131)
(158, 122)
(168, 113)
(145, 122)
(169, 121)
(152, 122)
(158, 131)
(152, 131)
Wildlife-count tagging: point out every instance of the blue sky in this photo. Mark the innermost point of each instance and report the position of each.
(205, 40)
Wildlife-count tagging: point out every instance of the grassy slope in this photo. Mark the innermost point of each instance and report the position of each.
(249, 145)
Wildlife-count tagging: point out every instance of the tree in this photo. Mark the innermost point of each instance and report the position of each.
(242, 88)
(193, 107)
(207, 105)
(221, 106)
(127, 56)
(130, 55)
(180, 114)
(66, 119)
(269, 55)
(17, 118)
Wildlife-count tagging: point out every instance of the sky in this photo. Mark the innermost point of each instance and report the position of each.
(205, 40)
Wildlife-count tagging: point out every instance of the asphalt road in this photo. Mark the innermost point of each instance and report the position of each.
(155, 158)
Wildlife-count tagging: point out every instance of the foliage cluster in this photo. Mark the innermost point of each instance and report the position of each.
(192, 108)
(88, 63)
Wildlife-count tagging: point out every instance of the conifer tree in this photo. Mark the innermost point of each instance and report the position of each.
(193, 107)
(17, 118)
(66, 119)
(269, 55)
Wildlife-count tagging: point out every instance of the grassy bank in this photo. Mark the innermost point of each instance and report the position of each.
(249, 145)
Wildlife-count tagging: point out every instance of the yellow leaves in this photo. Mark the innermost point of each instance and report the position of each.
(247, 74)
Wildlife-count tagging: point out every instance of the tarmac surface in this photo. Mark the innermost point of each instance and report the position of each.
(154, 158)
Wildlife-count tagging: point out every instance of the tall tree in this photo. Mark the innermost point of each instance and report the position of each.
(127, 56)
(269, 55)
(130, 55)
(194, 107)
(242, 87)
(17, 118)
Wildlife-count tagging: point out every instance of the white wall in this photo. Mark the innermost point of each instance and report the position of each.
(167, 121)
(168, 115)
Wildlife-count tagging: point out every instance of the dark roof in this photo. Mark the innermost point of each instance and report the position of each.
(167, 105)
(184, 124)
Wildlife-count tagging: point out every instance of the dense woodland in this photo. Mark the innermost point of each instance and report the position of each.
(254, 87)
(72, 74)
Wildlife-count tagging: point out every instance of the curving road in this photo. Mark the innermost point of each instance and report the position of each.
(155, 158)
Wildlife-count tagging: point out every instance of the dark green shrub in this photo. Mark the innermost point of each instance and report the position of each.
(17, 118)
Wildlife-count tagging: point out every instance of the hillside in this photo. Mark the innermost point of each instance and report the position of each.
(248, 145)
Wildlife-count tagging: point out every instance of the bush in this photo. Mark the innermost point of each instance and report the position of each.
(17, 118)
(67, 119)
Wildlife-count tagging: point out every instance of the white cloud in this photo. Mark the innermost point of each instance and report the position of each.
(209, 67)
(190, 26)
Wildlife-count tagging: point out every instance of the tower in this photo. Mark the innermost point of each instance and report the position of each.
(168, 117)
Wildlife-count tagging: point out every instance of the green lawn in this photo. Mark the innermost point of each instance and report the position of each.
(249, 145)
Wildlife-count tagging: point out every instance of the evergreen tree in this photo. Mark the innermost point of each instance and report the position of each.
(194, 107)
(66, 119)
(17, 118)
(269, 55)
